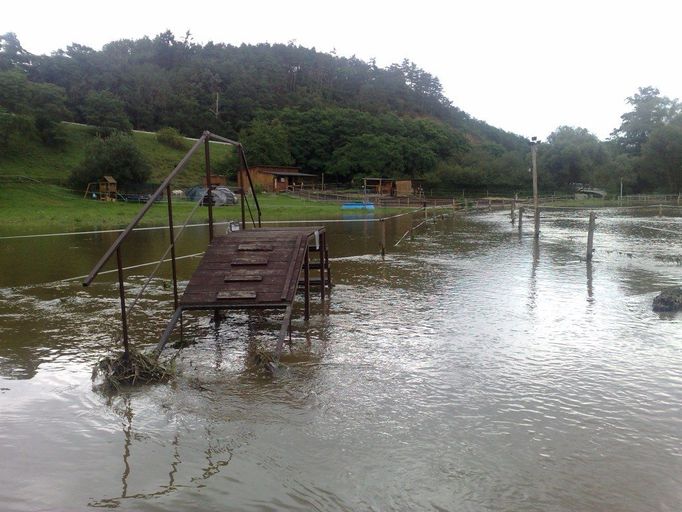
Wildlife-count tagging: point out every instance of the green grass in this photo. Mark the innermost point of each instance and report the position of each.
(28, 157)
(35, 208)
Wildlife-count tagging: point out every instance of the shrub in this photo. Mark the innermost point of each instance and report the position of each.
(171, 137)
(116, 156)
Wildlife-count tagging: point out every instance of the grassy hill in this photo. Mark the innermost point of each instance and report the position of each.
(30, 158)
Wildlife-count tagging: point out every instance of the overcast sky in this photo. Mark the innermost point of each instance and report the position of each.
(523, 66)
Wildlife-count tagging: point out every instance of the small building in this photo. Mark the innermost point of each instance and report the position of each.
(403, 188)
(108, 188)
(276, 178)
(392, 187)
(379, 186)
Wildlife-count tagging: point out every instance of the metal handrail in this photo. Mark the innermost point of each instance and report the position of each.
(150, 202)
(115, 248)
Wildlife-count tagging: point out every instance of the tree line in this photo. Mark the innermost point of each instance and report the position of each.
(340, 116)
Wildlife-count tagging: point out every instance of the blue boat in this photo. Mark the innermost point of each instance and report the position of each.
(357, 205)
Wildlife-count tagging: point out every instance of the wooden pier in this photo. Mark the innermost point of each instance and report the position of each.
(257, 269)
(244, 269)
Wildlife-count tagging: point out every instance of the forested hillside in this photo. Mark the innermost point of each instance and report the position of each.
(296, 106)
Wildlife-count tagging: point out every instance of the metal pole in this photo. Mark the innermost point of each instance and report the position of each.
(306, 285)
(121, 292)
(323, 249)
(172, 244)
(534, 157)
(207, 155)
(383, 238)
(590, 237)
(243, 199)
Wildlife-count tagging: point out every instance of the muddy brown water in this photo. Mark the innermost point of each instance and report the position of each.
(472, 369)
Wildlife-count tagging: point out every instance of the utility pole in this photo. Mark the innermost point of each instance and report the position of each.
(534, 159)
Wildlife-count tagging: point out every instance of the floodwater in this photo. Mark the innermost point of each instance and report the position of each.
(471, 370)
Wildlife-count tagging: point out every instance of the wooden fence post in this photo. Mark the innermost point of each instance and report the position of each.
(520, 218)
(590, 237)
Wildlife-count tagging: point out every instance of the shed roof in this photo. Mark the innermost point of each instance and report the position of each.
(287, 173)
(109, 179)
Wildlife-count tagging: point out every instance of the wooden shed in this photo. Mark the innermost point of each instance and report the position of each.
(380, 186)
(108, 188)
(392, 187)
(403, 188)
(274, 178)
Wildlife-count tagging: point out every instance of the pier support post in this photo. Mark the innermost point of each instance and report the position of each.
(209, 195)
(590, 237)
(323, 251)
(383, 238)
(172, 247)
(121, 293)
(513, 213)
(306, 284)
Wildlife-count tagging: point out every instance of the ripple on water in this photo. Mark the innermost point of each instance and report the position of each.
(470, 370)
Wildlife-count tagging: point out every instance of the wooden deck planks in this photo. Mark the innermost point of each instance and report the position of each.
(251, 267)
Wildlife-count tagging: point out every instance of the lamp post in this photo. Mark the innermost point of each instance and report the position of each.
(534, 159)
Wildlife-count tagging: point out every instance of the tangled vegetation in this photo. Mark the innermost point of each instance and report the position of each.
(118, 370)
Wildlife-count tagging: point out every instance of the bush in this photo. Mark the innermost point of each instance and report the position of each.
(115, 156)
(171, 137)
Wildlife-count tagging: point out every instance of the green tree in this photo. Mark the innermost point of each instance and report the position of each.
(12, 54)
(266, 143)
(662, 156)
(115, 156)
(368, 155)
(571, 155)
(49, 104)
(105, 111)
(649, 111)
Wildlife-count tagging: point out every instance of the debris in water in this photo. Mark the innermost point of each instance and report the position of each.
(117, 370)
(257, 358)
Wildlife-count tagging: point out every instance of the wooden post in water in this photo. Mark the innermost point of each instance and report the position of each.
(590, 237)
(660, 210)
(520, 218)
(513, 213)
(121, 293)
(383, 238)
